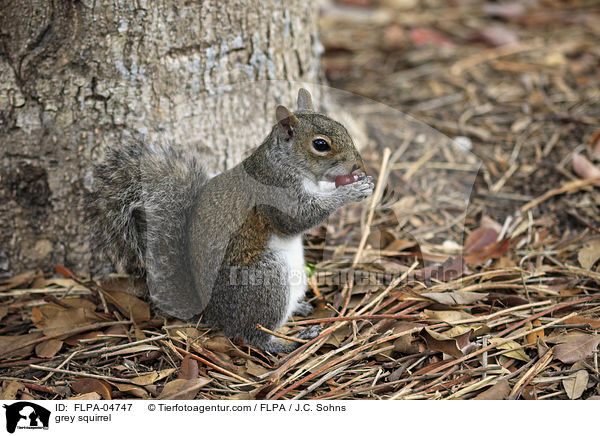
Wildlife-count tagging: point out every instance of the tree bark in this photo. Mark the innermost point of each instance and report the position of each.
(76, 76)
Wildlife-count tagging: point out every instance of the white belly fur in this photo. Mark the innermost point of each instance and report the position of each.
(291, 252)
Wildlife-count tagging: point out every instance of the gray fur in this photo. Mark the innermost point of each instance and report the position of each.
(155, 210)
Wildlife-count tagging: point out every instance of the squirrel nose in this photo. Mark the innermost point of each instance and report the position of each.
(356, 167)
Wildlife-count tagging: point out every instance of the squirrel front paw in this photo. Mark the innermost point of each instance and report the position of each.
(358, 190)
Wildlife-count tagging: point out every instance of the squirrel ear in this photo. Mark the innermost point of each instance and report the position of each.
(304, 100)
(286, 121)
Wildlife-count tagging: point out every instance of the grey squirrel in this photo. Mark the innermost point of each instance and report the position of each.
(230, 247)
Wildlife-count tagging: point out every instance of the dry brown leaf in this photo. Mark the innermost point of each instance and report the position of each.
(514, 350)
(73, 340)
(589, 254)
(53, 310)
(401, 244)
(90, 396)
(7, 342)
(576, 348)
(338, 336)
(9, 389)
(219, 343)
(575, 384)
(439, 342)
(498, 391)
(68, 319)
(189, 368)
(584, 168)
(593, 322)
(491, 251)
(154, 376)
(19, 280)
(556, 337)
(455, 298)
(3, 311)
(447, 315)
(138, 391)
(88, 385)
(129, 305)
(255, 369)
(480, 238)
(48, 348)
(182, 389)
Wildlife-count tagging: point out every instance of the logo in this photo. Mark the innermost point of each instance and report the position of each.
(26, 415)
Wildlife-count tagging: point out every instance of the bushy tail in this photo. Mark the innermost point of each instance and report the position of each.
(141, 202)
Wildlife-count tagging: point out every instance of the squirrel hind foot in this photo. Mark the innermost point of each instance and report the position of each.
(278, 345)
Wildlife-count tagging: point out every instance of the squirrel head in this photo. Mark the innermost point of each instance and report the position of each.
(319, 147)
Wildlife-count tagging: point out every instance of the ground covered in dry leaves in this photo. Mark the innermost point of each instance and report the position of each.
(472, 274)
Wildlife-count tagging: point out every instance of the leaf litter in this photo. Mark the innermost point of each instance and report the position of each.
(510, 312)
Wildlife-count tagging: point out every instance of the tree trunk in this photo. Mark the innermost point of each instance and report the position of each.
(76, 76)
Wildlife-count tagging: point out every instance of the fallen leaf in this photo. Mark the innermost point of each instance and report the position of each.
(189, 368)
(89, 385)
(406, 344)
(3, 311)
(338, 336)
(182, 389)
(220, 344)
(577, 348)
(48, 348)
(447, 315)
(401, 244)
(19, 280)
(154, 376)
(73, 340)
(589, 254)
(255, 369)
(498, 391)
(10, 389)
(575, 384)
(91, 396)
(514, 350)
(439, 342)
(138, 391)
(584, 168)
(480, 238)
(129, 305)
(8, 342)
(482, 245)
(454, 298)
(593, 322)
(68, 319)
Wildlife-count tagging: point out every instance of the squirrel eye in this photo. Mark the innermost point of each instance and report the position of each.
(320, 145)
